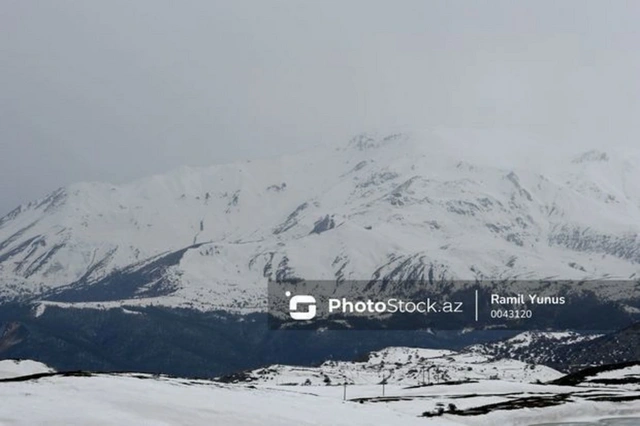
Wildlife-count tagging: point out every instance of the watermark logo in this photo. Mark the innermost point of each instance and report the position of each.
(453, 305)
(297, 304)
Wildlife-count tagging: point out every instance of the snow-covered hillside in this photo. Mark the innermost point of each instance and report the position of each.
(398, 206)
(402, 365)
(17, 368)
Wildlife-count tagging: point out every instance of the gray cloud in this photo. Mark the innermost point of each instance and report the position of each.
(118, 90)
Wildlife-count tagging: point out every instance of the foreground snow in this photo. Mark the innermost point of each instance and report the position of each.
(284, 396)
(142, 399)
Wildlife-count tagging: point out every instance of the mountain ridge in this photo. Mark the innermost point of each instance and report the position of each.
(394, 206)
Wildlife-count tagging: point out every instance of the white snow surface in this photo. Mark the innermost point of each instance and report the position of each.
(17, 368)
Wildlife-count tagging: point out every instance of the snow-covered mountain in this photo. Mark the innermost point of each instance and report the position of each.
(399, 207)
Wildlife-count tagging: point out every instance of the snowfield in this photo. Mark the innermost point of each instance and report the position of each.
(463, 388)
(146, 400)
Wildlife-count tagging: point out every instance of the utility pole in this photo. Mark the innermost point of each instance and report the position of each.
(384, 382)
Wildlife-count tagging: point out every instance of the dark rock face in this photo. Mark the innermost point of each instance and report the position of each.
(292, 219)
(323, 224)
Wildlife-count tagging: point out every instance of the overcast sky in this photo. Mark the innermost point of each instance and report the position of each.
(115, 90)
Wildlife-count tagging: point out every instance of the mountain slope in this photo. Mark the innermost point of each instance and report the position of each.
(401, 365)
(617, 347)
(397, 207)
